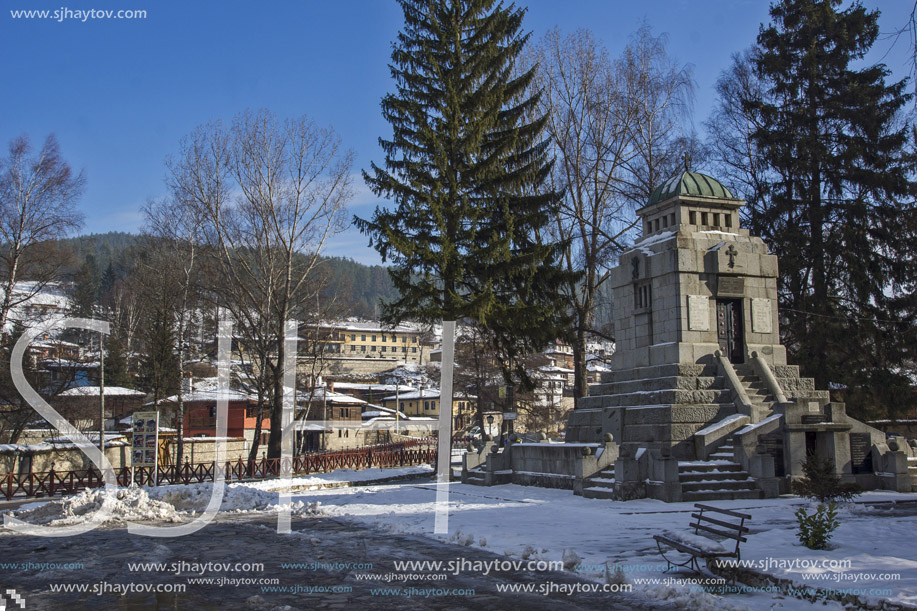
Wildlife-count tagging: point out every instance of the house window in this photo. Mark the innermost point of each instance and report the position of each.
(703, 218)
(656, 223)
(665, 222)
(372, 348)
(404, 348)
(362, 348)
(383, 339)
(394, 339)
(374, 338)
(728, 220)
(383, 347)
(404, 339)
(672, 219)
(414, 350)
(353, 348)
(413, 340)
(716, 219)
(692, 217)
(249, 412)
(340, 433)
(362, 338)
(426, 405)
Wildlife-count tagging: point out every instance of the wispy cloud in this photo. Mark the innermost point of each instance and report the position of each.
(352, 245)
(364, 199)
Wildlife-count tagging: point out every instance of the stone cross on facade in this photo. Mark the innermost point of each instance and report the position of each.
(731, 252)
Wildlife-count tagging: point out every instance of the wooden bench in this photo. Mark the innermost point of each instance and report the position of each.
(701, 546)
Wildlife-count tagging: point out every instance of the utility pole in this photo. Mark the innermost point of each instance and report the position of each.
(324, 415)
(101, 395)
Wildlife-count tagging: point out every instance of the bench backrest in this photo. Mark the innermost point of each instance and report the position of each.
(719, 524)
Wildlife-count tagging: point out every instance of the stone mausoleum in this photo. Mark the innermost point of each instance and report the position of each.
(701, 403)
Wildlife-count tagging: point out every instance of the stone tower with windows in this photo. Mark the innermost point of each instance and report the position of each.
(694, 282)
(699, 372)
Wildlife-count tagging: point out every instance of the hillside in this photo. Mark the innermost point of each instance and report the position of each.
(358, 287)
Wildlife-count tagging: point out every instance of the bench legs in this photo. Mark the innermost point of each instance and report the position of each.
(670, 564)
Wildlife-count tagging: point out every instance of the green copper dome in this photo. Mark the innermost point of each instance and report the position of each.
(690, 183)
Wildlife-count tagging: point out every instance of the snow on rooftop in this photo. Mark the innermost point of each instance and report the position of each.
(324, 394)
(199, 396)
(371, 387)
(376, 411)
(643, 244)
(93, 391)
(425, 393)
(372, 326)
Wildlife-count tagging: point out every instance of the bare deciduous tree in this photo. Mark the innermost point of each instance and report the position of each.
(38, 196)
(731, 127)
(616, 135)
(177, 228)
(268, 194)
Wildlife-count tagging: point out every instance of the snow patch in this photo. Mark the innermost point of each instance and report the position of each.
(125, 504)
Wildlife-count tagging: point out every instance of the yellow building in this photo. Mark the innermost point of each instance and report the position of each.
(406, 342)
(425, 402)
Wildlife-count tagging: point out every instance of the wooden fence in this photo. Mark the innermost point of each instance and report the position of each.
(51, 483)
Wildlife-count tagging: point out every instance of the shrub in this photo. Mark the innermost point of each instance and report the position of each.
(819, 482)
(815, 529)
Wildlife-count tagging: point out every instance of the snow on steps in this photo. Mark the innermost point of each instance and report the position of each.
(475, 477)
(718, 479)
(724, 452)
(601, 485)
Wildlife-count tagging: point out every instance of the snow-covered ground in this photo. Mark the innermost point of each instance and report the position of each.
(873, 549)
(523, 522)
(174, 503)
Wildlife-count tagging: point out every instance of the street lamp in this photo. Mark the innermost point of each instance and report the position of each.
(490, 423)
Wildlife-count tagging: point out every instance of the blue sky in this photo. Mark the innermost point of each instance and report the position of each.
(120, 94)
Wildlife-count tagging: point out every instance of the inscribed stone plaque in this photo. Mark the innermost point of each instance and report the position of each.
(861, 452)
(730, 286)
(698, 313)
(761, 315)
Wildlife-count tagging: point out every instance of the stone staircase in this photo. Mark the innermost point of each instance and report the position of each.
(759, 395)
(475, 477)
(716, 479)
(601, 485)
(912, 471)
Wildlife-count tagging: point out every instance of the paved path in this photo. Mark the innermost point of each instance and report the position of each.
(106, 552)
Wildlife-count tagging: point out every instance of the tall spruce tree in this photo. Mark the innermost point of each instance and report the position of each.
(86, 288)
(837, 200)
(117, 372)
(465, 168)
